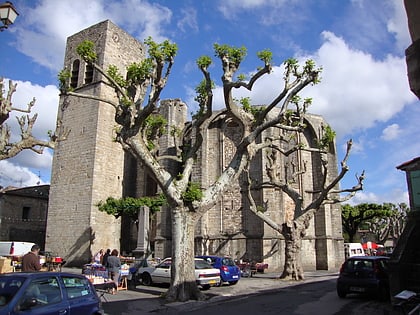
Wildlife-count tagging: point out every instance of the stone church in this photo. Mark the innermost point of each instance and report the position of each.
(89, 166)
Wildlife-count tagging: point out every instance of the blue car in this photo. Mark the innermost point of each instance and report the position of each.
(47, 293)
(229, 271)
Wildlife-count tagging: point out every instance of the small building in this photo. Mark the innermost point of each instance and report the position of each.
(405, 259)
(23, 214)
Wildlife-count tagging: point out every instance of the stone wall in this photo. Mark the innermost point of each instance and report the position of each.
(23, 214)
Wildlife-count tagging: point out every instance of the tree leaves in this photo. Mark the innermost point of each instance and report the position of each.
(130, 206)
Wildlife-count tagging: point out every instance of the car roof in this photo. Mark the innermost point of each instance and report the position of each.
(212, 256)
(37, 274)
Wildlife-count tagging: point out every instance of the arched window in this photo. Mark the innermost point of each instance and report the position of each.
(75, 73)
(88, 74)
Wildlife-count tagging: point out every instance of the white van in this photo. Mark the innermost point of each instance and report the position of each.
(353, 249)
(15, 248)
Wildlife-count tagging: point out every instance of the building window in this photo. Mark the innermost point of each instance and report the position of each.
(89, 74)
(75, 74)
(25, 213)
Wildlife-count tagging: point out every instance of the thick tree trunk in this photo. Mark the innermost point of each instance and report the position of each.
(293, 234)
(183, 285)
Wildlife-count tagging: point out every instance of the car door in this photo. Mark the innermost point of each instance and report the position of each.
(43, 296)
(162, 272)
(81, 296)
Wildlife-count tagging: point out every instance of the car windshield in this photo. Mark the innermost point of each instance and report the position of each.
(8, 288)
(202, 264)
(359, 264)
(228, 262)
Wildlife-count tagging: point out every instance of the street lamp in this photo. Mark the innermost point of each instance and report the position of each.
(8, 15)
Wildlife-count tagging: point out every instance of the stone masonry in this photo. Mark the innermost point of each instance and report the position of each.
(89, 167)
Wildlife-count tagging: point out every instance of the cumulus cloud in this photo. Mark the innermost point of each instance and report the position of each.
(188, 20)
(391, 132)
(356, 90)
(46, 104)
(43, 30)
(394, 196)
(17, 176)
(20, 169)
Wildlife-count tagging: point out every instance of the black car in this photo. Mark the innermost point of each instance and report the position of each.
(364, 275)
(47, 293)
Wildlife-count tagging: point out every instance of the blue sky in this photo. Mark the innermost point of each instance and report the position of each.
(360, 44)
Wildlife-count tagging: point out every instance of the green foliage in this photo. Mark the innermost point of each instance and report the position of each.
(115, 74)
(204, 62)
(246, 104)
(266, 56)
(130, 206)
(201, 97)
(193, 193)
(233, 54)
(253, 110)
(86, 50)
(154, 128)
(241, 77)
(63, 79)
(327, 138)
(354, 216)
(140, 72)
(161, 52)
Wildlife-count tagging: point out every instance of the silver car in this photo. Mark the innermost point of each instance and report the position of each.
(205, 275)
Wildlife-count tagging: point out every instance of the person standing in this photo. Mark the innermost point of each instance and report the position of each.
(105, 258)
(113, 265)
(30, 261)
(98, 257)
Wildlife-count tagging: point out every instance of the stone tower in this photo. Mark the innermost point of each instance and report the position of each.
(89, 166)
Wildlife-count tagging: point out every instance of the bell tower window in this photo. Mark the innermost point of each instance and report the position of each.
(89, 74)
(75, 74)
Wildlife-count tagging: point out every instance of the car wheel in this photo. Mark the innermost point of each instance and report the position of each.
(341, 293)
(205, 286)
(146, 279)
(233, 282)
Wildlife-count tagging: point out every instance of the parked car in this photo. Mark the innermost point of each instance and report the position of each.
(229, 271)
(364, 275)
(206, 276)
(47, 293)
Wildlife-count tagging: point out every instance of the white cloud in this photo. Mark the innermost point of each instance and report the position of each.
(188, 20)
(394, 196)
(398, 25)
(19, 170)
(43, 30)
(18, 176)
(356, 90)
(391, 132)
(46, 104)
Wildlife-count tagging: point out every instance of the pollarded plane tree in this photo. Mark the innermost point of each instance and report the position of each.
(286, 175)
(27, 141)
(138, 92)
(357, 216)
(391, 225)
